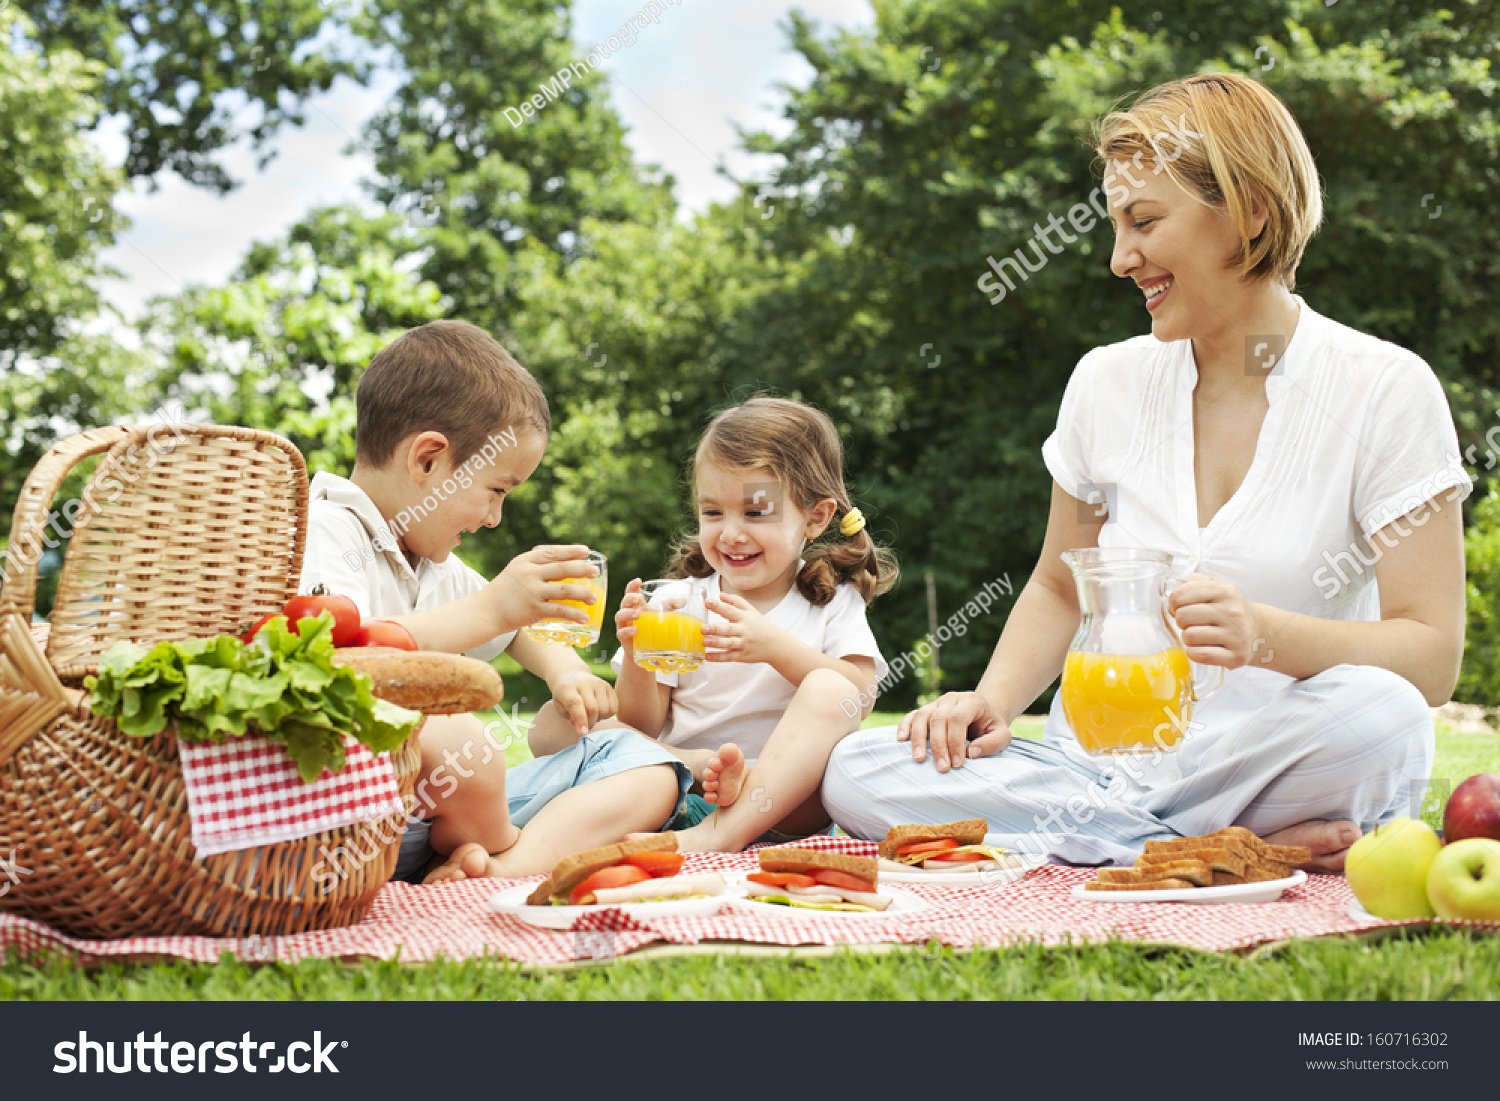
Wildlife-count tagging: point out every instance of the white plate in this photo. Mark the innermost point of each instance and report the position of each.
(902, 903)
(512, 901)
(891, 872)
(1268, 891)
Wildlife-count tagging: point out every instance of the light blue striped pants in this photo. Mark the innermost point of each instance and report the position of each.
(1353, 742)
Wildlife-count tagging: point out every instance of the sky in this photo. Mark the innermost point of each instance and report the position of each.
(680, 89)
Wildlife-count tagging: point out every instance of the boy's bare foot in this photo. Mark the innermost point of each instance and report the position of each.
(724, 775)
(1328, 840)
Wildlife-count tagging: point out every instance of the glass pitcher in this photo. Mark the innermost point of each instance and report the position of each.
(1127, 684)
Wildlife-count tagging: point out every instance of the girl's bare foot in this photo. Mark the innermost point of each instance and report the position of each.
(724, 775)
(1328, 840)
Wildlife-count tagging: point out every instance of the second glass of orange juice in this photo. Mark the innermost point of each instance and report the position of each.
(565, 632)
(669, 630)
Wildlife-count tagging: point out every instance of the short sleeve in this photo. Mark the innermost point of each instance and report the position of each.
(847, 633)
(1066, 451)
(333, 556)
(465, 579)
(1408, 452)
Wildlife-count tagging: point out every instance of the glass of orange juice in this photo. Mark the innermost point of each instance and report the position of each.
(565, 632)
(669, 630)
(1127, 684)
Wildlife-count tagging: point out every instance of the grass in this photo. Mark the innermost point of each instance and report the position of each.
(1418, 966)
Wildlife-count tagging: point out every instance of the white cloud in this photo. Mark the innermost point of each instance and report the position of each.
(707, 62)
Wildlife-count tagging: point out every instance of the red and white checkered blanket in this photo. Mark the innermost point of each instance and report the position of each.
(454, 921)
(247, 792)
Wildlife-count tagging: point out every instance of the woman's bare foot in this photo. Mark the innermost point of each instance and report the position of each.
(1328, 840)
(468, 861)
(724, 775)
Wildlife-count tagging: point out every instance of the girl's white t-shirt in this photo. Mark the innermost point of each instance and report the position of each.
(742, 702)
(1358, 434)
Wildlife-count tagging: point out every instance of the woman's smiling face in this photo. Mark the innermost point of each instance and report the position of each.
(1176, 249)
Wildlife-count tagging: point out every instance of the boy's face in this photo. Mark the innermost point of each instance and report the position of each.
(470, 494)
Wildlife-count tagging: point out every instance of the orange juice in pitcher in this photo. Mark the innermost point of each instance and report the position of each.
(1128, 703)
(1127, 683)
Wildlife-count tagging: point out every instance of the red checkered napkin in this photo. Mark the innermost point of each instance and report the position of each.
(247, 792)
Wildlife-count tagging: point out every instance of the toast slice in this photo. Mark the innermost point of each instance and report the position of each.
(1197, 872)
(573, 870)
(1281, 854)
(809, 860)
(1228, 879)
(970, 831)
(1232, 845)
(1266, 871)
(1219, 859)
(1168, 884)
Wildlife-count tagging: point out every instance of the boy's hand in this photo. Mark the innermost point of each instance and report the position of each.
(630, 611)
(747, 636)
(584, 699)
(526, 590)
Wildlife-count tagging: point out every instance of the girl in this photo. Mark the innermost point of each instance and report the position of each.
(791, 664)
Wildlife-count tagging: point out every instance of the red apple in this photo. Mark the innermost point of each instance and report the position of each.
(1473, 809)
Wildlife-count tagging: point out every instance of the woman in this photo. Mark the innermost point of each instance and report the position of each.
(1308, 472)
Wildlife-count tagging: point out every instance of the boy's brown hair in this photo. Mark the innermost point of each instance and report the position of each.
(801, 447)
(449, 377)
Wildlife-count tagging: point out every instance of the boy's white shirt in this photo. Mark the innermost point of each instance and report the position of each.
(352, 550)
(742, 702)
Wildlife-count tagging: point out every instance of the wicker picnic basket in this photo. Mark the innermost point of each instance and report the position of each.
(184, 531)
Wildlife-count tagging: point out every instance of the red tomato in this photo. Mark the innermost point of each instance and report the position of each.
(384, 632)
(844, 880)
(345, 613)
(927, 846)
(958, 858)
(657, 865)
(259, 623)
(782, 879)
(621, 875)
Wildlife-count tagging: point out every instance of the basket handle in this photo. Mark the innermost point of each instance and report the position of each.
(29, 521)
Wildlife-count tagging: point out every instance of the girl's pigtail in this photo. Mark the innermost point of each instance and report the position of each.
(688, 560)
(859, 559)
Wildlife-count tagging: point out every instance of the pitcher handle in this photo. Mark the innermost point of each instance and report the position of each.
(1198, 696)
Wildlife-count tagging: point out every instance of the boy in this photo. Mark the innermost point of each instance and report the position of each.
(448, 424)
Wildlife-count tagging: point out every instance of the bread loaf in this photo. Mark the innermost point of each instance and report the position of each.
(425, 680)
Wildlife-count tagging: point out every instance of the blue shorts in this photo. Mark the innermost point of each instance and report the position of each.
(530, 787)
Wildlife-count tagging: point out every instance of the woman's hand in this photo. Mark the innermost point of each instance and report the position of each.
(956, 726)
(1218, 625)
(745, 634)
(630, 611)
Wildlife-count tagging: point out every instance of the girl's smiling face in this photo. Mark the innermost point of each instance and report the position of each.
(750, 532)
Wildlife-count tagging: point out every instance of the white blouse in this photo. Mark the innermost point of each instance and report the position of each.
(1358, 434)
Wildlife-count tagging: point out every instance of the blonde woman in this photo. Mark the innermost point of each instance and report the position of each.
(1309, 473)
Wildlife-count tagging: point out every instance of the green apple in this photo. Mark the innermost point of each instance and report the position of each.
(1464, 880)
(1387, 869)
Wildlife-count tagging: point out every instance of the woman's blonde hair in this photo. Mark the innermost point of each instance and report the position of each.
(800, 446)
(1232, 144)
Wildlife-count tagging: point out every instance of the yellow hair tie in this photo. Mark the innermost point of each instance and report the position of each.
(853, 522)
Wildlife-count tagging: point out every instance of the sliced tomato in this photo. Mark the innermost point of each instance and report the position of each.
(782, 879)
(958, 858)
(927, 846)
(657, 865)
(843, 880)
(621, 875)
(384, 632)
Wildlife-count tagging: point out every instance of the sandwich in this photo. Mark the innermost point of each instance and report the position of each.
(808, 880)
(954, 846)
(642, 870)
